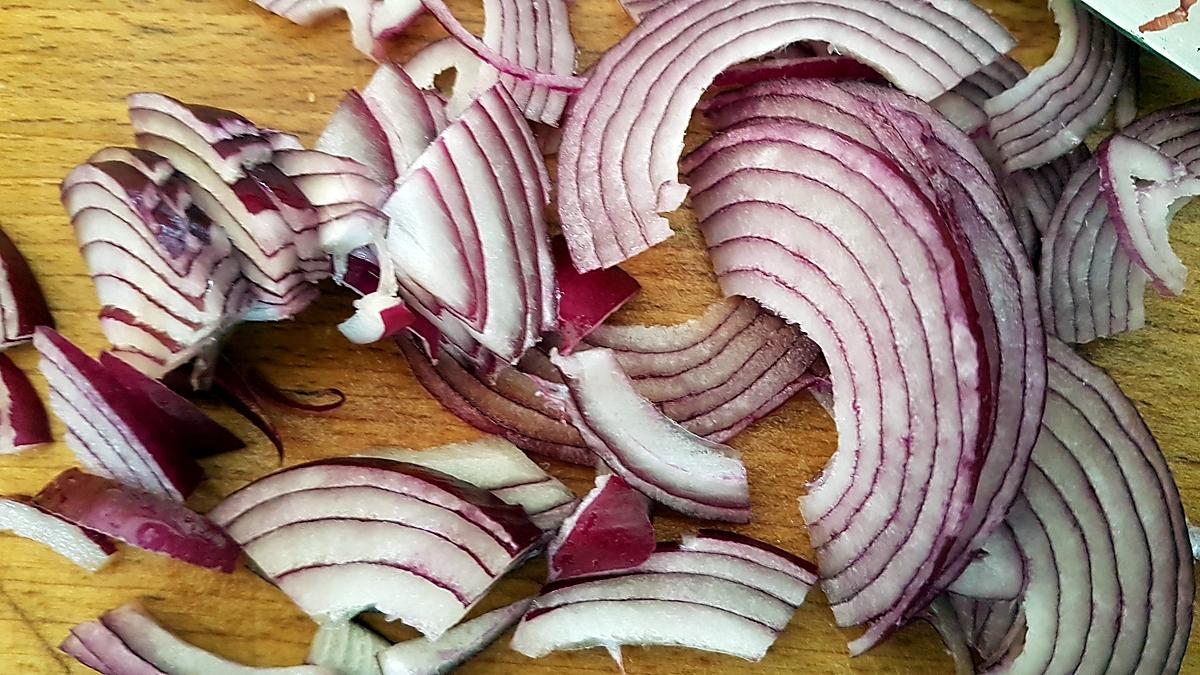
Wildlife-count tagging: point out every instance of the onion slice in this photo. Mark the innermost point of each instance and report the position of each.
(347, 648)
(25, 518)
(818, 67)
(372, 22)
(1142, 214)
(763, 192)
(1089, 285)
(343, 535)
(114, 430)
(609, 531)
(585, 301)
(1049, 113)
(23, 421)
(459, 645)
(22, 305)
(495, 465)
(618, 159)
(645, 448)
(128, 641)
(166, 276)
(139, 518)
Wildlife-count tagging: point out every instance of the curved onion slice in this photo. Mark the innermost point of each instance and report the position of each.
(481, 186)
(128, 641)
(1100, 518)
(963, 105)
(638, 9)
(139, 518)
(1141, 213)
(717, 374)
(610, 530)
(23, 421)
(761, 553)
(168, 282)
(647, 449)
(459, 645)
(114, 430)
(1050, 112)
(726, 601)
(512, 406)
(764, 192)
(1089, 286)
(226, 159)
(372, 22)
(617, 163)
(585, 301)
(200, 435)
(22, 305)
(343, 535)
(818, 67)
(24, 518)
(495, 465)
(347, 648)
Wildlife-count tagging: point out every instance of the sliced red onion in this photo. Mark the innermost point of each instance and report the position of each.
(22, 305)
(267, 218)
(200, 435)
(355, 133)
(879, 543)
(820, 67)
(512, 406)
(609, 531)
(732, 565)
(128, 641)
(481, 186)
(23, 421)
(347, 648)
(113, 430)
(1101, 524)
(139, 518)
(618, 160)
(1142, 213)
(703, 600)
(717, 374)
(495, 465)
(1051, 111)
(638, 9)
(24, 518)
(963, 105)
(761, 553)
(585, 301)
(1034, 194)
(168, 282)
(347, 534)
(459, 645)
(647, 449)
(372, 22)
(1089, 285)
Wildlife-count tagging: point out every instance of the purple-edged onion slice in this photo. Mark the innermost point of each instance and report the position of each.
(347, 648)
(618, 159)
(166, 276)
(609, 531)
(128, 641)
(495, 465)
(459, 645)
(648, 450)
(22, 305)
(24, 518)
(889, 266)
(1050, 112)
(114, 430)
(480, 188)
(585, 301)
(716, 374)
(23, 421)
(343, 535)
(139, 518)
(1140, 212)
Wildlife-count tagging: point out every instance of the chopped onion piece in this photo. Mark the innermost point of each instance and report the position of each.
(610, 530)
(128, 641)
(585, 301)
(456, 647)
(24, 518)
(22, 305)
(645, 448)
(23, 421)
(618, 160)
(372, 22)
(139, 518)
(347, 648)
(114, 430)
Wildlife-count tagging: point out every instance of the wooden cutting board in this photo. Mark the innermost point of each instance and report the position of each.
(65, 67)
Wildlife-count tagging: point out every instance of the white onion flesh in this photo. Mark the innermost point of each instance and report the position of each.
(457, 646)
(24, 518)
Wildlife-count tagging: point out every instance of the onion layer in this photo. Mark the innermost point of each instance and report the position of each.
(456, 647)
(372, 22)
(609, 530)
(347, 648)
(23, 517)
(22, 305)
(618, 158)
(23, 421)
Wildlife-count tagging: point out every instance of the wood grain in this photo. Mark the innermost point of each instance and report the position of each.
(65, 67)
